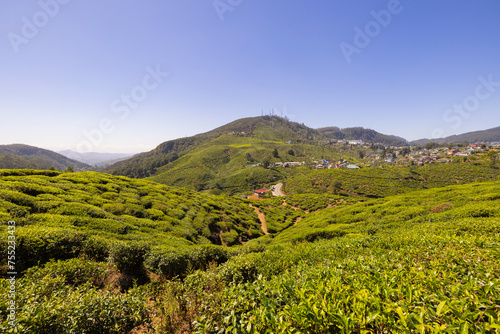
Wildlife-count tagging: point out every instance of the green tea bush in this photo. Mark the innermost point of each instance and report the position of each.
(230, 238)
(129, 257)
(17, 198)
(51, 306)
(319, 234)
(75, 272)
(37, 246)
(422, 279)
(180, 262)
(96, 248)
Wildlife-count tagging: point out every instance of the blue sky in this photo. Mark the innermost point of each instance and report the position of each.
(124, 76)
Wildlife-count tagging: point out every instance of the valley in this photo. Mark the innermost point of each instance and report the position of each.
(259, 226)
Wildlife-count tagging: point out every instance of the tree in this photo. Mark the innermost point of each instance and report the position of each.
(291, 152)
(69, 169)
(52, 168)
(275, 153)
(249, 157)
(361, 155)
(217, 189)
(493, 157)
(431, 145)
(337, 186)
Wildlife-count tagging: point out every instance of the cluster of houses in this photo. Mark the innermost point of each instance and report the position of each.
(281, 164)
(436, 155)
(394, 154)
(346, 142)
(325, 164)
(242, 133)
(289, 164)
(404, 155)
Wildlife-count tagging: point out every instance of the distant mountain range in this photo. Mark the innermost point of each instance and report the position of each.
(484, 136)
(95, 158)
(20, 156)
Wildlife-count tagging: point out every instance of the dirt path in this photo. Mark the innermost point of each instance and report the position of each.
(297, 221)
(262, 218)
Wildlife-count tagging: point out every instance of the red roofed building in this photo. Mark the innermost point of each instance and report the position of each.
(260, 192)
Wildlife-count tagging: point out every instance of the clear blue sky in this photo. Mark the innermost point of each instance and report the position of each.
(68, 69)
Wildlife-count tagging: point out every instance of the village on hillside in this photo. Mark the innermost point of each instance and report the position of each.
(378, 155)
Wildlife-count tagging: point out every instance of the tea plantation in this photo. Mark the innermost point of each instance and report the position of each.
(97, 253)
(389, 180)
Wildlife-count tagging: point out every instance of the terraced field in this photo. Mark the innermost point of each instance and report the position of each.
(106, 254)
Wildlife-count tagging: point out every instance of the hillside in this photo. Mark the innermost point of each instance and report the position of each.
(424, 261)
(265, 128)
(24, 156)
(365, 135)
(484, 136)
(389, 180)
(223, 159)
(114, 208)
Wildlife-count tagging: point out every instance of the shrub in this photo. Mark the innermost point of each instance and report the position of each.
(37, 246)
(244, 268)
(320, 234)
(181, 262)
(75, 272)
(230, 238)
(51, 306)
(95, 248)
(129, 258)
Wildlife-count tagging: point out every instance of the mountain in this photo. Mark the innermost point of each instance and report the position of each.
(24, 156)
(366, 135)
(95, 158)
(223, 158)
(265, 128)
(484, 136)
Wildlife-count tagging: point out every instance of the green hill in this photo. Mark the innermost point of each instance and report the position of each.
(265, 129)
(423, 261)
(222, 159)
(389, 180)
(484, 136)
(20, 156)
(365, 135)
